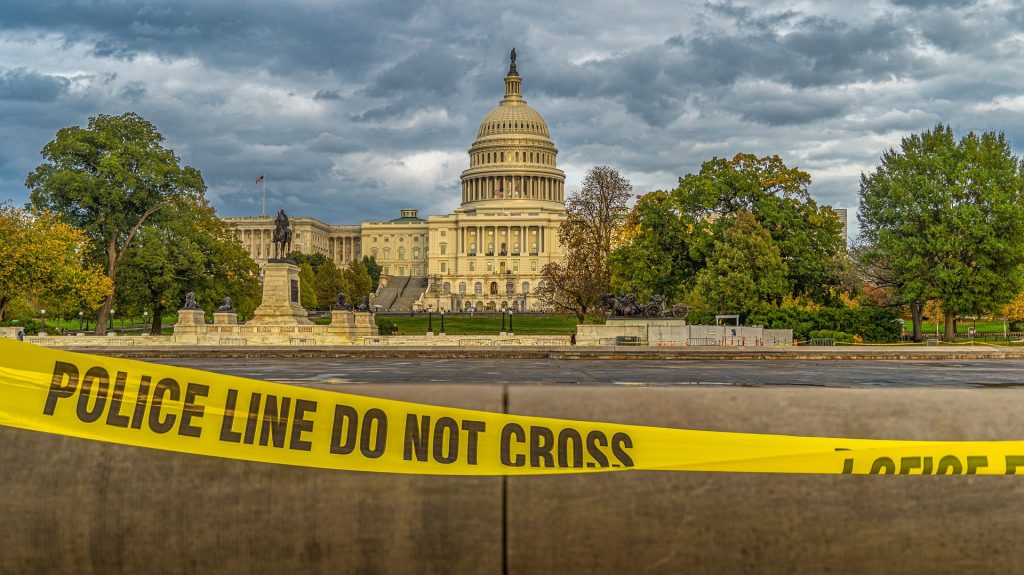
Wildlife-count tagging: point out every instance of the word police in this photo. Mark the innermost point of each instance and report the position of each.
(266, 420)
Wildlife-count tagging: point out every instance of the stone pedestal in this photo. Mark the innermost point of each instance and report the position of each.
(225, 318)
(351, 325)
(191, 326)
(280, 304)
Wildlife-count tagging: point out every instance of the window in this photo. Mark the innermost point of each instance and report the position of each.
(472, 248)
(444, 267)
(515, 265)
(494, 288)
(415, 253)
(472, 266)
(373, 252)
(415, 238)
(387, 253)
(444, 249)
(526, 288)
(462, 288)
(478, 288)
(443, 233)
(374, 239)
(510, 288)
(490, 266)
(401, 253)
(533, 265)
(384, 270)
(446, 287)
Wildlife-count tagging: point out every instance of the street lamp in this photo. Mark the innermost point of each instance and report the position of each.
(42, 313)
(81, 314)
(442, 320)
(430, 321)
(502, 321)
(510, 321)
(111, 320)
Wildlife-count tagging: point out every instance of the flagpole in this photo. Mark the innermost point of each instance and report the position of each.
(264, 182)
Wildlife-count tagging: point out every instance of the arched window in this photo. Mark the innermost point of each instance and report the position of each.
(542, 285)
(478, 288)
(401, 253)
(446, 287)
(387, 253)
(494, 288)
(526, 288)
(510, 288)
(462, 288)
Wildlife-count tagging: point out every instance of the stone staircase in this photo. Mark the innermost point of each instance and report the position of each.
(388, 295)
(414, 288)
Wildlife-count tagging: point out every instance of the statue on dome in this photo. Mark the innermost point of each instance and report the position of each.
(512, 59)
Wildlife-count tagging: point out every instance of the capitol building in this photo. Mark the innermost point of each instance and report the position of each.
(487, 255)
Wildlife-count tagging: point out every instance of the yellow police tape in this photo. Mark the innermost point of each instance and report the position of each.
(191, 411)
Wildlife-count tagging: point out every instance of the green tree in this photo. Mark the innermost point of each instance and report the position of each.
(356, 282)
(307, 287)
(374, 269)
(593, 219)
(745, 270)
(809, 236)
(110, 179)
(42, 258)
(328, 283)
(947, 217)
(654, 256)
(189, 250)
(314, 260)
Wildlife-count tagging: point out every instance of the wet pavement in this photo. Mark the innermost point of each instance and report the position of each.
(832, 373)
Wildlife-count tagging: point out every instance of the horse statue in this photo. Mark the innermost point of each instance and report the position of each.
(282, 235)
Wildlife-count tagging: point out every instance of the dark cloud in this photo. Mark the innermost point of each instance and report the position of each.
(356, 109)
(26, 85)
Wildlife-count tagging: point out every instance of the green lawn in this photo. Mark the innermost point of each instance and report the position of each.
(485, 324)
(984, 326)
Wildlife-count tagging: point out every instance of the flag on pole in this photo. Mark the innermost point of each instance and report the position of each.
(259, 180)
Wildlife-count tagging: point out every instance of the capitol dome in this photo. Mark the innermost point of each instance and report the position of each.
(513, 160)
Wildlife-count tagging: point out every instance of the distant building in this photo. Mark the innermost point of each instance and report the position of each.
(486, 255)
(841, 214)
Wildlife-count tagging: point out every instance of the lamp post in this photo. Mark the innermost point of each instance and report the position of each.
(81, 314)
(145, 318)
(430, 321)
(510, 322)
(442, 321)
(42, 314)
(503, 321)
(111, 322)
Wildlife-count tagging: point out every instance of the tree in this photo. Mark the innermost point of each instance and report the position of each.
(745, 270)
(109, 179)
(307, 287)
(593, 218)
(314, 260)
(42, 257)
(356, 282)
(373, 268)
(809, 236)
(189, 250)
(654, 257)
(328, 282)
(948, 217)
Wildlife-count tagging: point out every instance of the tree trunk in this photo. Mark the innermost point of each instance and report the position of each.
(101, 321)
(950, 334)
(916, 310)
(158, 320)
(3, 306)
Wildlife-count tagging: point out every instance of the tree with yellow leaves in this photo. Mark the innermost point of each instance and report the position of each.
(43, 258)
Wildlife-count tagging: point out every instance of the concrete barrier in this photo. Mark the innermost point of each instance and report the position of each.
(77, 506)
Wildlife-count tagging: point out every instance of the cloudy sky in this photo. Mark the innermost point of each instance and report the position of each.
(354, 109)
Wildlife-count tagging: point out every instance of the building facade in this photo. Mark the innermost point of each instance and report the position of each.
(489, 253)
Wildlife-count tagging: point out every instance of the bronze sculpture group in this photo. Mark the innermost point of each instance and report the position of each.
(628, 306)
